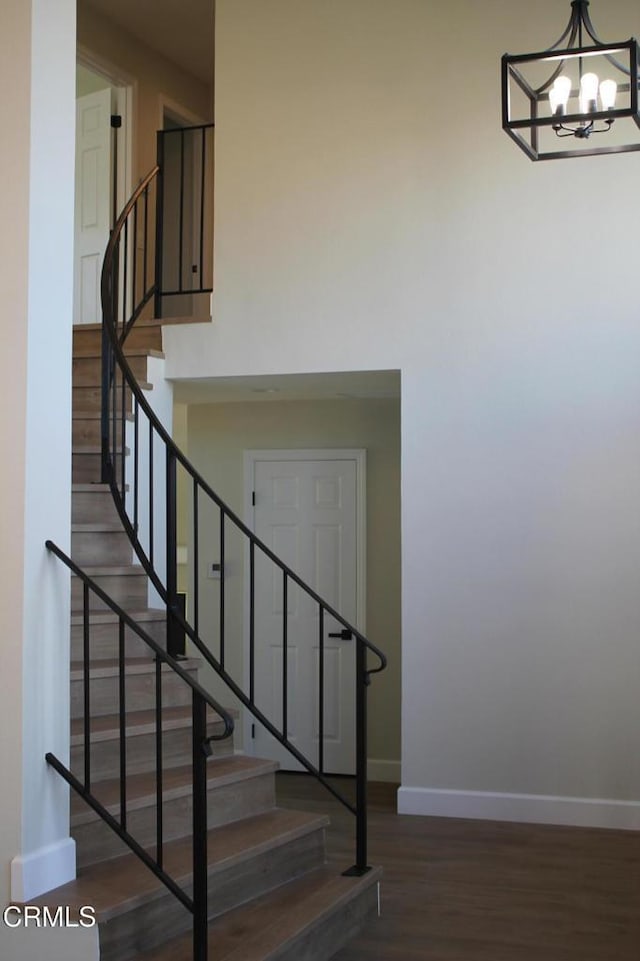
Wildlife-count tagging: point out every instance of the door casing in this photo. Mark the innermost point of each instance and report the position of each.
(251, 458)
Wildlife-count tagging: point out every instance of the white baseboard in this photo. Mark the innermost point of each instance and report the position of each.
(43, 870)
(532, 808)
(381, 770)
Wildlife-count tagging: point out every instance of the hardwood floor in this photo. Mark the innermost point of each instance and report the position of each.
(456, 890)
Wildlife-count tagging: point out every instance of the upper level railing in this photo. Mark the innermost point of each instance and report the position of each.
(153, 482)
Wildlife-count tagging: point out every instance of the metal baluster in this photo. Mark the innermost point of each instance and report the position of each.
(151, 493)
(222, 591)
(196, 584)
(252, 620)
(321, 689)
(86, 686)
(125, 268)
(203, 133)
(181, 240)
(136, 462)
(199, 831)
(123, 419)
(174, 641)
(145, 247)
(123, 733)
(361, 867)
(159, 225)
(285, 624)
(159, 770)
(134, 265)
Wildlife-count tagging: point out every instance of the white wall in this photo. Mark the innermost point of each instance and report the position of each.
(38, 118)
(370, 213)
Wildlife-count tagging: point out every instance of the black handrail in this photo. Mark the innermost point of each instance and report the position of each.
(196, 903)
(156, 467)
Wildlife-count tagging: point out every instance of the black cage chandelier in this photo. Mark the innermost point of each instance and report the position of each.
(575, 100)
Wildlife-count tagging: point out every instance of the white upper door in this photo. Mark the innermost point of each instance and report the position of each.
(306, 512)
(93, 202)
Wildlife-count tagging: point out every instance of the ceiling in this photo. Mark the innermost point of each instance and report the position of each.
(344, 385)
(181, 30)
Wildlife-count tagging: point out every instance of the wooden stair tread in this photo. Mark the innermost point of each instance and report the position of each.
(176, 782)
(106, 727)
(108, 617)
(97, 415)
(124, 883)
(91, 487)
(152, 322)
(98, 527)
(89, 353)
(256, 929)
(134, 665)
(142, 384)
(92, 449)
(107, 570)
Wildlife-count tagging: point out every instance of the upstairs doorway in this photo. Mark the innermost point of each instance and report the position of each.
(102, 180)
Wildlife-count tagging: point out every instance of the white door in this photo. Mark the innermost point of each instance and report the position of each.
(93, 202)
(307, 512)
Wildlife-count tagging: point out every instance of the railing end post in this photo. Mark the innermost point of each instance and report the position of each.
(356, 872)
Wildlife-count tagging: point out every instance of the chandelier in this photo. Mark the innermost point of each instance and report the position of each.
(577, 98)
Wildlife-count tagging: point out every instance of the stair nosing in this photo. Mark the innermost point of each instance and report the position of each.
(109, 667)
(113, 570)
(98, 527)
(108, 617)
(96, 354)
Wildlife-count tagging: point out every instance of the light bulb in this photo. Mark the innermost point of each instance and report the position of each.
(554, 101)
(562, 89)
(588, 92)
(608, 91)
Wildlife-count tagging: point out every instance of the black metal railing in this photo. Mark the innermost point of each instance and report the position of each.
(129, 631)
(184, 223)
(152, 481)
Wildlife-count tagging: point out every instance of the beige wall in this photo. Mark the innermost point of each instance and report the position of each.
(155, 78)
(371, 213)
(218, 434)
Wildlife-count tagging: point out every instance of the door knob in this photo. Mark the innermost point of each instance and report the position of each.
(344, 635)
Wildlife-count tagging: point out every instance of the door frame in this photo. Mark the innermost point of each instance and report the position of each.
(251, 458)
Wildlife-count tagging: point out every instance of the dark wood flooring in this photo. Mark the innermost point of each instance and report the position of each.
(457, 890)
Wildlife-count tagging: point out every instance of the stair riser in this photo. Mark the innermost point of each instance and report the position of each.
(86, 431)
(127, 590)
(324, 939)
(140, 693)
(145, 337)
(87, 506)
(90, 398)
(95, 841)
(87, 371)
(154, 923)
(104, 640)
(101, 547)
(141, 752)
(87, 468)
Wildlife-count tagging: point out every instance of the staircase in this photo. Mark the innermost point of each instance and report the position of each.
(270, 893)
